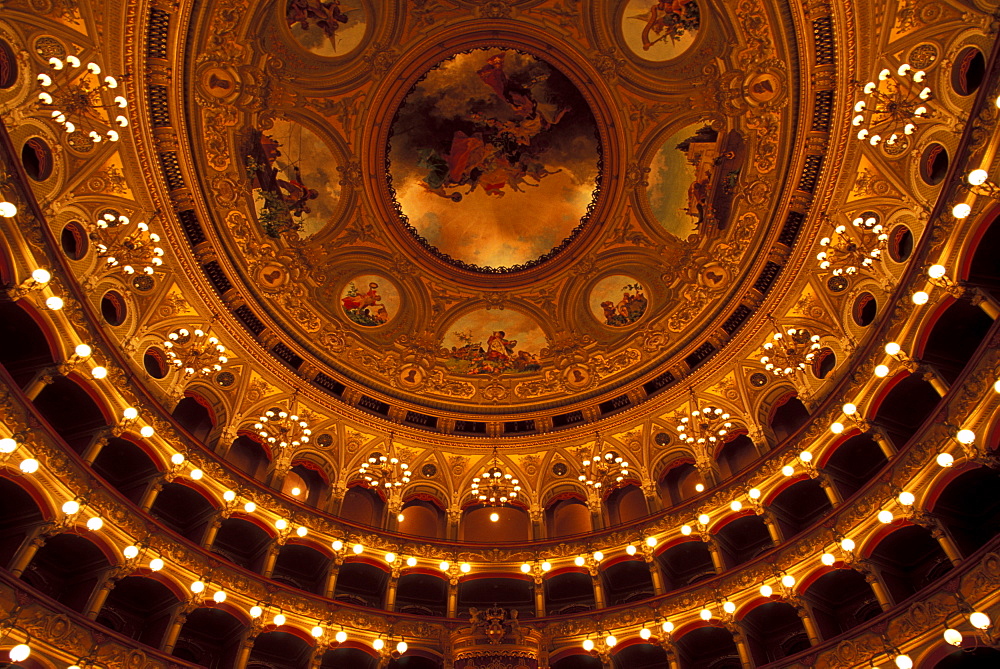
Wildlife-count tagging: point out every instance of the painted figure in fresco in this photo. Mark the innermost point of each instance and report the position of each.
(295, 193)
(668, 19)
(326, 14)
(702, 150)
(628, 309)
(496, 357)
(365, 308)
(499, 152)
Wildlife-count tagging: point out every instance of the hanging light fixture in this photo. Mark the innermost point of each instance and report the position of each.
(705, 425)
(195, 352)
(283, 429)
(889, 108)
(79, 99)
(131, 252)
(602, 468)
(386, 470)
(789, 351)
(495, 487)
(848, 250)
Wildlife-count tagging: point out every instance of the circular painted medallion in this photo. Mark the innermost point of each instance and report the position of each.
(618, 301)
(370, 300)
(493, 159)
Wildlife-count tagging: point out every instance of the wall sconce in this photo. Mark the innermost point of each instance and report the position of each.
(978, 182)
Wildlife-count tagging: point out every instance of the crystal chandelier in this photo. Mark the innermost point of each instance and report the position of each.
(848, 250)
(385, 470)
(602, 469)
(495, 487)
(79, 99)
(132, 251)
(194, 352)
(282, 429)
(705, 425)
(891, 105)
(789, 351)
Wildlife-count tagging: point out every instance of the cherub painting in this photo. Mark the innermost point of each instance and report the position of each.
(660, 29)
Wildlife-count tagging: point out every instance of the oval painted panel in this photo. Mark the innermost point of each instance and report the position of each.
(294, 178)
(659, 30)
(491, 342)
(618, 301)
(493, 159)
(327, 27)
(682, 175)
(370, 300)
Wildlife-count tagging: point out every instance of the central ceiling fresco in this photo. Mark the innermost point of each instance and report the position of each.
(494, 158)
(521, 217)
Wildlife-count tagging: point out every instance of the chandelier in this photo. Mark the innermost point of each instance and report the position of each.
(891, 105)
(849, 249)
(602, 469)
(282, 429)
(385, 470)
(495, 487)
(81, 100)
(195, 352)
(705, 425)
(131, 252)
(789, 351)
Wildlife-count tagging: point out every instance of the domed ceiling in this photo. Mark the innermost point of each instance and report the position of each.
(494, 208)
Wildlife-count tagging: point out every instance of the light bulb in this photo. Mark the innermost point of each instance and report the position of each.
(787, 470)
(699, 487)
(729, 607)
(667, 627)
(279, 620)
(885, 516)
(892, 348)
(588, 645)
(953, 637)
(95, 524)
(358, 549)
(70, 507)
(645, 634)
(579, 561)
(411, 562)
(546, 566)
(904, 662)
(296, 492)
(788, 581)
(525, 568)
(341, 636)
(686, 530)
(8, 209)
(280, 524)
(401, 647)
(378, 644)
(337, 545)
(7, 445)
(945, 460)
(250, 507)
(966, 437)
(99, 372)
(256, 612)
(19, 653)
(850, 409)
(979, 620)
(494, 517)
(130, 552)
(754, 493)
(611, 640)
(197, 586)
(906, 498)
(651, 542)
(41, 275)
(317, 631)
(977, 177)
(703, 519)
(177, 459)
(881, 371)
(55, 303)
(705, 614)
(936, 271)
(766, 590)
(961, 210)
(29, 465)
(827, 559)
(146, 431)
(847, 545)
(197, 474)
(390, 557)
(920, 298)
(443, 565)
(156, 564)
(465, 567)
(219, 596)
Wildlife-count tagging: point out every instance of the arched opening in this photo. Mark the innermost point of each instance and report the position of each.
(302, 567)
(685, 563)
(184, 510)
(864, 309)
(248, 455)
(679, 483)
(192, 415)
(362, 505)
(933, 164)
(155, 363)
(905, 407)
(126, 467)
(8, 65)
(348, 658)
(627, 581)
(36, 157)
(800, 505)
(969, 508)
(774, 631)
(982, 657)
(579, 661)
(71, 412)
(788, 417)
(113, 308)
(568, 592)
(306, 476)
(507, 593)
(626, 504)
(823, 363)
(736, 455)
(423, 519)
(567, 516)
(908, 559)
(708, 647)
(279, 650)
(640, 656)
(73, 240)
(140, 608)
(900, 243)
(242, 543)
(513, 524)
(983, 270)
(20, 516)
(422, 594)
(968, 71)
(956, 335)
(361, 583)
(854, 463)
(210, 637)
(841, 600)
(743, 539)
(24, 350)
(67, 568)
